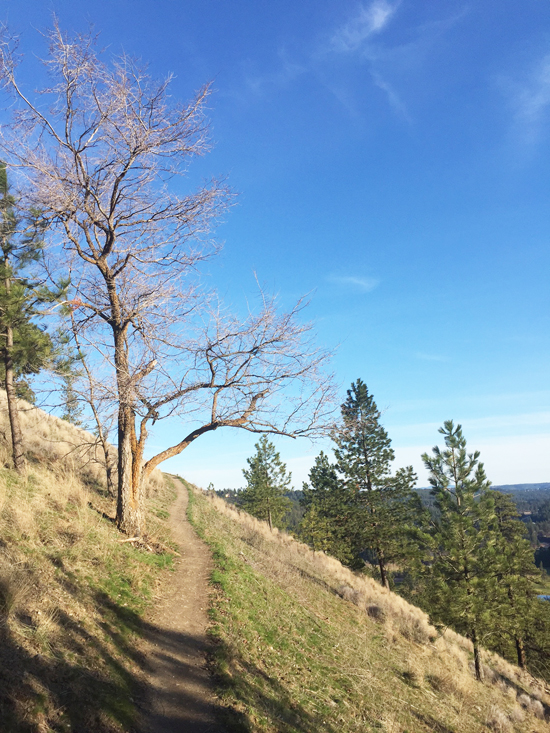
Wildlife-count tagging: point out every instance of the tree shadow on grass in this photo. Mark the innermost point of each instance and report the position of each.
(255, 689)
(67, 695)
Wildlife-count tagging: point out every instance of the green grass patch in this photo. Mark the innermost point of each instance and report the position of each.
(290, 656)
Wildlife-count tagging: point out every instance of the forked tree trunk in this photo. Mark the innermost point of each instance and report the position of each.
(13, 410)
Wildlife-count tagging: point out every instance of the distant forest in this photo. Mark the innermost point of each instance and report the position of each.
(532, 502)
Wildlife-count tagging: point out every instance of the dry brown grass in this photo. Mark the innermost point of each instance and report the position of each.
(71, 594)
(338, 650)
(58, 445)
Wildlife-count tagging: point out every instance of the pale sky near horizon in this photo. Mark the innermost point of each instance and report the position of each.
(392, 159)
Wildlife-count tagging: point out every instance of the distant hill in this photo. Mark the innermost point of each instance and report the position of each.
(511, 488)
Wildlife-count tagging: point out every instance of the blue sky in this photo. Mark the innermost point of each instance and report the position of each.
(392, 159)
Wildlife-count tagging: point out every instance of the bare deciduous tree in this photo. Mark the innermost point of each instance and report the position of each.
(99, 149)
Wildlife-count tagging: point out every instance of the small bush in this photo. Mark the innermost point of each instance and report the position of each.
(349, 594)
(517, 715)
(499, 721)
(376, 612)
(414, 629)
(536, 708)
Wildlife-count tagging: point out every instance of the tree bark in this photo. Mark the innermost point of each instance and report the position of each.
(382, 566)
(477, 656)
(13, 410)
(520, 650)
(129, 512)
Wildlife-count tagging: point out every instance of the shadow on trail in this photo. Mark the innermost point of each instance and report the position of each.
(83, 686)
(176, 708)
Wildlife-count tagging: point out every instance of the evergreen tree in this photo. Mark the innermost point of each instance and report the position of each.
(332, 520)
(24, 346)
(463, 577)
(517, 576)
(72, 406)
(267, 480)
(364, 455)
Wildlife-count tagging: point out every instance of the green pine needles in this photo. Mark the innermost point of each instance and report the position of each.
(464, 540)
(267, 481)
(356, 507)
(25, 347)
(481, 574)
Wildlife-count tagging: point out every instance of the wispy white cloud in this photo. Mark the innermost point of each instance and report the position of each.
(369, 21)
(362, 284)
(530, 99)
(393, 98)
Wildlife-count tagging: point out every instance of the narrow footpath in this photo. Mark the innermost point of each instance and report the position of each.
(179, 697)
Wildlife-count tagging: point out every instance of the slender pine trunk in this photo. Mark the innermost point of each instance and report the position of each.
(382, 566)
(477, 655)
(520, 651)
(13, 410)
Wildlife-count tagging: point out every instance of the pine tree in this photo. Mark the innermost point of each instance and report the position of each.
(24, 346)
(267, 480)
(364, 455)
(463, 578)
(517, 576)
(332, 520)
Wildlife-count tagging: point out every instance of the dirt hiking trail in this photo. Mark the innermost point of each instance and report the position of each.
(179, 696)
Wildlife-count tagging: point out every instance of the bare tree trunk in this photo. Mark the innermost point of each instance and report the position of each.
(107, 458)
(269, 520)
(13, 410)
(129, 515)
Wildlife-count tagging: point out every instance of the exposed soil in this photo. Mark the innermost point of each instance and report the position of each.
(179, 697)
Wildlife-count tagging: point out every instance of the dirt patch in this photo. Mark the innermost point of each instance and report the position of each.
(179, 697)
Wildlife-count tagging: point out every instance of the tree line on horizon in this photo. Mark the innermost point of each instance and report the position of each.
(466, 561)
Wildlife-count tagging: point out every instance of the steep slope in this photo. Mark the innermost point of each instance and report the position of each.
(71, 593)
(304, 645)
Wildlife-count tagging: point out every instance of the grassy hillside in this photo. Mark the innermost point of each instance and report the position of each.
(304, 645)
(71, 593)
